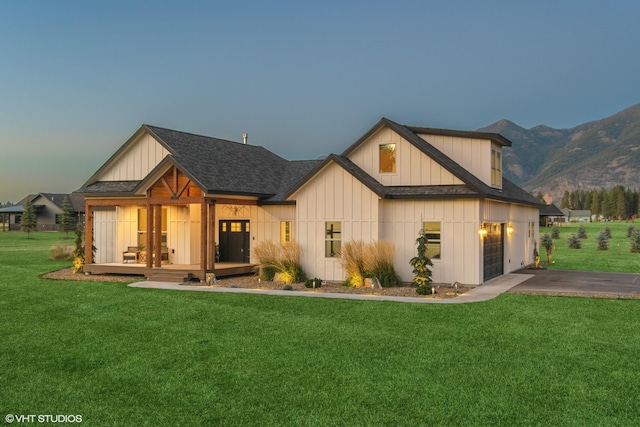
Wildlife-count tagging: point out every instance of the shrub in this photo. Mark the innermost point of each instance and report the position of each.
(635, 241)
(421, 263)
(607, 232)
(351, 259)
(283, 259)
(546, 241)
(62, 253)
(378, 262)
(603, 241)
(287, 288)
(267, 273)
(630, 230)
(582, 232)
(555, 232)
(314, 283)
(574, 242)
(365, 260)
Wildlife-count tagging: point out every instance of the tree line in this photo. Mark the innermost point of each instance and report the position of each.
(616, 203)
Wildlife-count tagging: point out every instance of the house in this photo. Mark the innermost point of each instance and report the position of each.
(550, 214)
(169, 200)
(577, 215)
(48, 208)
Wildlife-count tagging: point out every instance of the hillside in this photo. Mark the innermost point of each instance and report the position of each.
(601, 153)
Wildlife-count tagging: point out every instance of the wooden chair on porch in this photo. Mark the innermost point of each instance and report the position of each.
(131, 255)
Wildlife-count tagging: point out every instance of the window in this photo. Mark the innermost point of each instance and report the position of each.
(236, 227)
(432, 231)
(332, 238)
(142, 227)
(388, 158)
(496, 168)
(285, 231)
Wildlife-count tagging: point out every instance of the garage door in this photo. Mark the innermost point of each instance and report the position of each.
(493, 247)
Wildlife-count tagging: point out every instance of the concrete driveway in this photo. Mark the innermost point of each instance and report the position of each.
(563, 282)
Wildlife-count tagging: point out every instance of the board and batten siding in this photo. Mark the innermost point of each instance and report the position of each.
(459, 238)
(519, 244)
(333, 195)
(413, 167)
(472, 154)
(104, 233)
(140, 157)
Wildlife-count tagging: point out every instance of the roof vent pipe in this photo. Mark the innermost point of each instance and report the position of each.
(244, 137)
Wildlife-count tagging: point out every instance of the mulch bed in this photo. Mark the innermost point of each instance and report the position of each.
(251, 282)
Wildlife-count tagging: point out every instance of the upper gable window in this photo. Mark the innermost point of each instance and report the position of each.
(388, 158)
(496, 168)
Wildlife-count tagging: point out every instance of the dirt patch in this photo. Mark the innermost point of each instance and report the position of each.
(252, 282)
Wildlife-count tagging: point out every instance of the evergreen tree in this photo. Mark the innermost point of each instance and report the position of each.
(66, 222)
(421, 266)
(566, 200)
(29, 221)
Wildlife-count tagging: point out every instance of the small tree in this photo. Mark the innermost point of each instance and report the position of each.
(607, 232)
(29, 221)
(635, 241)
(421, 263)
(630, 230)
(582, 232)
(555, 232)
(603, 241)
(574, 242)
(78, 253)
(546, 241)
(66, 222)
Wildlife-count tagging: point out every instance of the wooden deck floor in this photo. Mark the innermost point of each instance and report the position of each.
(221, 269)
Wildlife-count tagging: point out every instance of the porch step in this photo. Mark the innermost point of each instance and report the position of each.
(169, 276)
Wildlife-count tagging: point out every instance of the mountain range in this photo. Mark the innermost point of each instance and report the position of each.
(598, 154)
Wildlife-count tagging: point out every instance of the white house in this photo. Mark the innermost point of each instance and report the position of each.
(194, 204)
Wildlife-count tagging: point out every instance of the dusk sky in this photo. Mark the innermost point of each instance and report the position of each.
(303, 79)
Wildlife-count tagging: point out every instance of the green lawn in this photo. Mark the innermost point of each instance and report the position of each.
(124, 356)
(588, 258)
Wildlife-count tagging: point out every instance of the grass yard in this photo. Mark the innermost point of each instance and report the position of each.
(124, 356)
(588, 258)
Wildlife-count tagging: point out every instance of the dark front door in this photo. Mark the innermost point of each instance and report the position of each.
(234, 241)
(493, 247)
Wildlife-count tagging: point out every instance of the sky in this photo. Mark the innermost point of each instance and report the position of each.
(302, 78)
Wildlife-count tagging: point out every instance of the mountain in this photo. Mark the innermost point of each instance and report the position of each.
(601, 153)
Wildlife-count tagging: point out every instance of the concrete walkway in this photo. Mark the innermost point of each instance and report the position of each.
(488, 291)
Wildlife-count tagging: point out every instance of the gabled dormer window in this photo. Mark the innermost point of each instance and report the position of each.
(496, 168)
(388, 158)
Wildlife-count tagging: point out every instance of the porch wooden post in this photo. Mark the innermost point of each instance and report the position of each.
(203, 236)
(212, 235)
(88, 233)
(157, 237)
(149, 235)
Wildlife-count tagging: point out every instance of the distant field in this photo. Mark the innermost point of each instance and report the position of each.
(616, 259)
(123, 356)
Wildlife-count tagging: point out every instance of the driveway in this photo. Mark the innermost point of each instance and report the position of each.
(564, 282)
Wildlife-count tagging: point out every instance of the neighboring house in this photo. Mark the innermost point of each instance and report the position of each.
(550, 214)
(167, 200)
(576, 215)
(48, 208)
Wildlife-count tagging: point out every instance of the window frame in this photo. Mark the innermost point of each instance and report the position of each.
(496, 167)
(286, 232)
(393, 158)
(425, 229)
(329, 242)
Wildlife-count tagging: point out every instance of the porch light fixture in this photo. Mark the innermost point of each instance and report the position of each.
(483, 231)
(509, 228)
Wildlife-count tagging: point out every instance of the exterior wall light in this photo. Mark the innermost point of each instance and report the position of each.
(509, 228)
